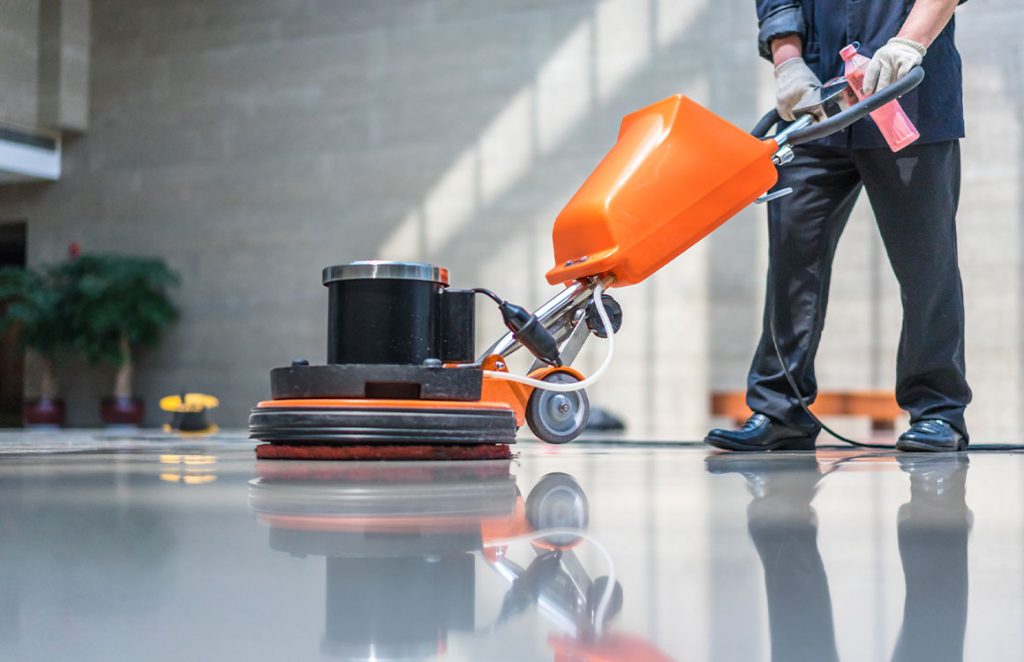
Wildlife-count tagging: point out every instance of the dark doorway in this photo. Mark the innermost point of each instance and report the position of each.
(12, 358)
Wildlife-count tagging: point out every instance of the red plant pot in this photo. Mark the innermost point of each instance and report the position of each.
(122, 411)
(43, 413)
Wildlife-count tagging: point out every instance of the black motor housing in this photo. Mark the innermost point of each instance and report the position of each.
(395, 329)
(396, 313)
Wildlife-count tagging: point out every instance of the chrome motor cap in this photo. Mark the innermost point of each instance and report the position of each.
(386, 269)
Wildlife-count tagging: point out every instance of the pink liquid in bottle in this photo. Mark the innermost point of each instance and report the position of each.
(894, 124)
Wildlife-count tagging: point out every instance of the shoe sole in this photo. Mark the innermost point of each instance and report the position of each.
(784, 444)
(911, 446)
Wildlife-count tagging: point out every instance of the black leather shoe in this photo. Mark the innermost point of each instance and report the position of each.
(931, 435)
(761, 433)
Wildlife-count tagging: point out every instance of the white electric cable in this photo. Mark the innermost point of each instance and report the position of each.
(609, 589)
(574, 386)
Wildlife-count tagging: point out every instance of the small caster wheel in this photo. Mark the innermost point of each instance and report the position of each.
(614, 310)
(554, 417)
(558, 502)
(596, 592)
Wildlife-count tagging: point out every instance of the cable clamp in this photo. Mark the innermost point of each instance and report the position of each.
(784, 155)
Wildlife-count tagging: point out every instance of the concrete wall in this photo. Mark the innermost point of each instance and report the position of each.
(44, 64)
(64, 64)
(250, 143)
(19, 61)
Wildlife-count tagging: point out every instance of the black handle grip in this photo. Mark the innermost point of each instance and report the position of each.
(843, 119)
(765, 124)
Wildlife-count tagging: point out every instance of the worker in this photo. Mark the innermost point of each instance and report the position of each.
(913, 193)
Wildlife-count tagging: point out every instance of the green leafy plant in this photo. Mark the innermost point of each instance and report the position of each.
(116, 304)
(34, 300)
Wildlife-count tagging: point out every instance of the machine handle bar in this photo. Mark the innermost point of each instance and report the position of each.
(845, 118)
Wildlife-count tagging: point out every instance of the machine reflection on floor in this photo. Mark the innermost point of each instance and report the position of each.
(402, 542)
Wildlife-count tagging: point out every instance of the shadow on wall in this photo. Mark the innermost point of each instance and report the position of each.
(1010, 69)
(488, 216)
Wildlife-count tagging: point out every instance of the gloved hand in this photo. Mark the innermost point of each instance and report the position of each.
(794, 82)
(891, 63)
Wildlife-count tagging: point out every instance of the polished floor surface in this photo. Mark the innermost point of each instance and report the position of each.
(150, 549)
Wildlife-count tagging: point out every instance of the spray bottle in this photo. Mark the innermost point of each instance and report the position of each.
(894, 124)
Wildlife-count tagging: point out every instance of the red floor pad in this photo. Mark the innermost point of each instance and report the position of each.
(384, 452)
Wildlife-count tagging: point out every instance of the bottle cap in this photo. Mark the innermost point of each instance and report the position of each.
(848, 51)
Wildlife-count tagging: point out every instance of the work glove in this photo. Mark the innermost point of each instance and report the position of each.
(794, 84)
(891, 63)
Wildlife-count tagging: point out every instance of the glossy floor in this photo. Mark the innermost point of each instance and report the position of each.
(146, 549)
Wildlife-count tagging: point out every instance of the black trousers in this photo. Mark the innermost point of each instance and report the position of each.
(914, 194)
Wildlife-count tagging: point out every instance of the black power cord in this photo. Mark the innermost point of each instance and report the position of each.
(489, 293)
(802, 401)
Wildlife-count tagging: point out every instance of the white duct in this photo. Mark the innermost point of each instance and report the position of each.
(28, 155)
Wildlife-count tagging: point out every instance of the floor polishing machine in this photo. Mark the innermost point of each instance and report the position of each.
(403, 379)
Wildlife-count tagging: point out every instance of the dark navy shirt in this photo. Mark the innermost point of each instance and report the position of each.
(935, 107)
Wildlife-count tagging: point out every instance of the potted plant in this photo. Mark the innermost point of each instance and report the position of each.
(33, 300)
(118, 304)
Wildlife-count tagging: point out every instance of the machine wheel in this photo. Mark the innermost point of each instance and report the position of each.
(558, 502)
(596, 591)
(557, 418)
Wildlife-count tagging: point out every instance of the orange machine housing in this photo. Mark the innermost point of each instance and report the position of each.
(676, 172)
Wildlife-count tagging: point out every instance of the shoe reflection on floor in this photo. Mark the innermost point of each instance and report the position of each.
(402, 541)
(933, 528)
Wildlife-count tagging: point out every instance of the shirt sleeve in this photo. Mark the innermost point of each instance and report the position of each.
(778, 18)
